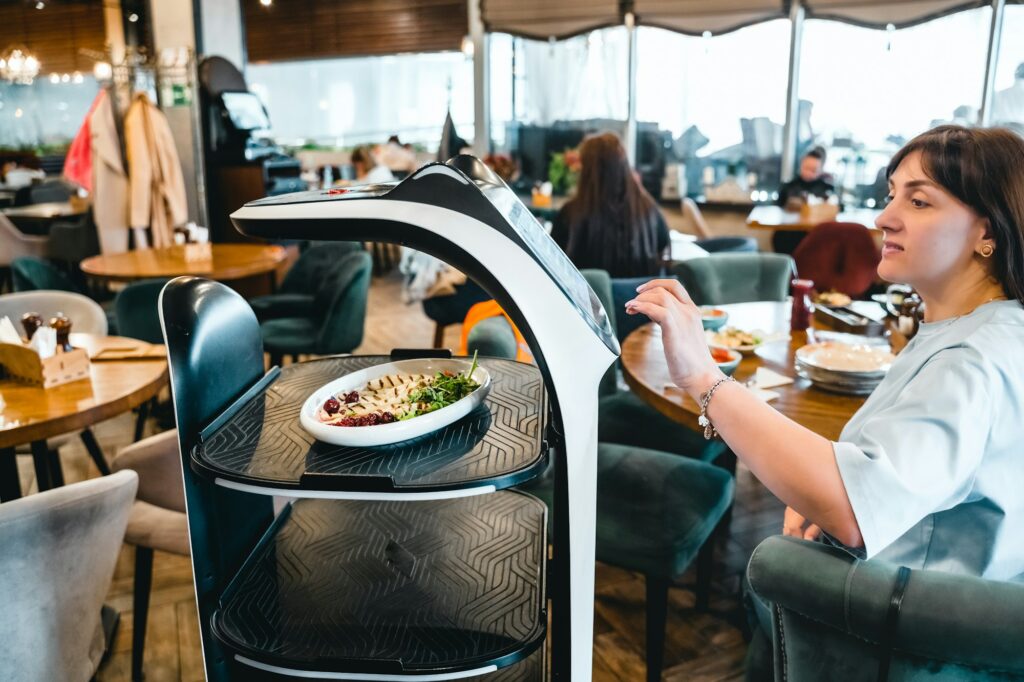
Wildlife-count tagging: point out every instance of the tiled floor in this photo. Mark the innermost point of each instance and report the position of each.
(699, 646)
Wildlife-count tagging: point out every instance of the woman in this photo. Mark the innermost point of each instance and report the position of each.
(612, 223)
(927, 474)
(368, 171)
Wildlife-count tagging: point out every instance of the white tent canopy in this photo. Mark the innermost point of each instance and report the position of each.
(543, 19)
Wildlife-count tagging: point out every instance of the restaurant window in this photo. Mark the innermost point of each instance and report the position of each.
(345, 102)
(45, 116)
(865, 92)
(1008, 100)
(559, 91)
(723, 100)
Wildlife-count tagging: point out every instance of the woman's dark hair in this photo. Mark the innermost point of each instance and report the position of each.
(613, 221)
(984, 169)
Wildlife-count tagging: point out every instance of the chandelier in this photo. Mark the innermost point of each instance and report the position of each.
(17, 65)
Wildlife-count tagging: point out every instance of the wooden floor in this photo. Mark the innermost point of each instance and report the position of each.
(699, 646)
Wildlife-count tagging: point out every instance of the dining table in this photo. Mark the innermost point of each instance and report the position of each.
(123, 374)
(826, 413)
(221, 262)
(768, 217)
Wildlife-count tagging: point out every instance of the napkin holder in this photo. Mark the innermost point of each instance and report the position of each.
(819, 213)
(21, 363)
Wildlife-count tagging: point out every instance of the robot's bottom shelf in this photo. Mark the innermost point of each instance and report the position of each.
(377, 590)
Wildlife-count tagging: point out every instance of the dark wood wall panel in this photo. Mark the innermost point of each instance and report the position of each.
(55, 34)
(310, 29)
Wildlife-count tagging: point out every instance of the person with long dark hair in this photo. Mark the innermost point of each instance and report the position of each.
(612, 223)
(928, 473)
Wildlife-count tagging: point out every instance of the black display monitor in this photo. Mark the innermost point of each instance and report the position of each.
(245, 111)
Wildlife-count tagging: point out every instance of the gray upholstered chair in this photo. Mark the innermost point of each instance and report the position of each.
(87, 317)
(59, 552)
(16, 244)
(736, 277)
(157, 521)
(832, 618)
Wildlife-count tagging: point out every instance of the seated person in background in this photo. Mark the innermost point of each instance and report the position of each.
(397, 157)
(811, 180)
(366, 167)
(612, 223)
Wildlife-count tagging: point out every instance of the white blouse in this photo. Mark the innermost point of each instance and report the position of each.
(933, 462)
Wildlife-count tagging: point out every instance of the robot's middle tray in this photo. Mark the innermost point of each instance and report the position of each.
(260, 443)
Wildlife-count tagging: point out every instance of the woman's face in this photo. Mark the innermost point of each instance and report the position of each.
(930, 236)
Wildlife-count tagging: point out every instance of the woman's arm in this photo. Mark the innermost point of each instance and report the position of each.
(796, 464)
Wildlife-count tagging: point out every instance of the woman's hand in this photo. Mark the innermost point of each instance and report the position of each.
(796, 525)
(666, 302)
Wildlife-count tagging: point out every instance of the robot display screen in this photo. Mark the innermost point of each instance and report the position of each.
(554, 260)
(245, 111)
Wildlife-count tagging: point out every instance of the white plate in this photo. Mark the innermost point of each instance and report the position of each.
(840, 357)
(386, 434)
(716, 339)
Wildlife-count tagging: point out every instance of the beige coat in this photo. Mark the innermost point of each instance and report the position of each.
(109, 182)
(157, 185)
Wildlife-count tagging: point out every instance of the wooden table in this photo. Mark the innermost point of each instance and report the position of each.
(32, 414)
(227, 262)
(645, 370)
(45, 211)
(775, 218)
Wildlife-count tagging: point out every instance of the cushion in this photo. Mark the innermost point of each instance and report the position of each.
(290, 335)
(157, 528)
(654, 509)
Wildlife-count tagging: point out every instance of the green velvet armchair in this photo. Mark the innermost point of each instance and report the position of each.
(726, 278)
(335, 319)
(832, 619)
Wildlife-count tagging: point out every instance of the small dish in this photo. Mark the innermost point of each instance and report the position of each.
(386, 434)
(739, 340)
(713, 318)
(726, 359)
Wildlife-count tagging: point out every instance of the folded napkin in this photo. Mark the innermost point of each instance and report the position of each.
(766, 378)
(8, 334)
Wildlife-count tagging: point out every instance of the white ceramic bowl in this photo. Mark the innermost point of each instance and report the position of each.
(386, 434)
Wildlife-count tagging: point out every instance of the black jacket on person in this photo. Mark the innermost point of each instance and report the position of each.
(798, 187)
(622, 266)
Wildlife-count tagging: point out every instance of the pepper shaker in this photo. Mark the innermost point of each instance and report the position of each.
(62, 325)
(31, 322)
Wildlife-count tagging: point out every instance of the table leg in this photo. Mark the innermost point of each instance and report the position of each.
(10, 486)
(47, 463)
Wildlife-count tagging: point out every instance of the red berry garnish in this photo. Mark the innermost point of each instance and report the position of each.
(352, 397)
(332, 406)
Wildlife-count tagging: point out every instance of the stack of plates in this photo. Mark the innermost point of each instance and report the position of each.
(843, 368)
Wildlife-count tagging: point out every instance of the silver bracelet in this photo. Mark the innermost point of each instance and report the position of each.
(705, 400)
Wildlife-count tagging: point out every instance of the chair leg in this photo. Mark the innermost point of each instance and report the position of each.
(140, 421)
(705, 566)
(95, 453)
(276, 359)
(140, 607)
(438, 335)
(10, 485)
(657, 612)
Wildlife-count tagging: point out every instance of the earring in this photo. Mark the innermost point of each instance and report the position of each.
(987, 250)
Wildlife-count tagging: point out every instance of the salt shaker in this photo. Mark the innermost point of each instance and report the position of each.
(62, 325)
(31, 322)
(800, 317)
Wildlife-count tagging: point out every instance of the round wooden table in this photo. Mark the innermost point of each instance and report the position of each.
(646, 372)
(32, 414)
(225, 262)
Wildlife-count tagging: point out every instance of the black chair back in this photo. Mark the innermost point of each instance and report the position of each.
(215, 354)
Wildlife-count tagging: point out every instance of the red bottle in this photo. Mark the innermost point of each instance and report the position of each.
(800, 317)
